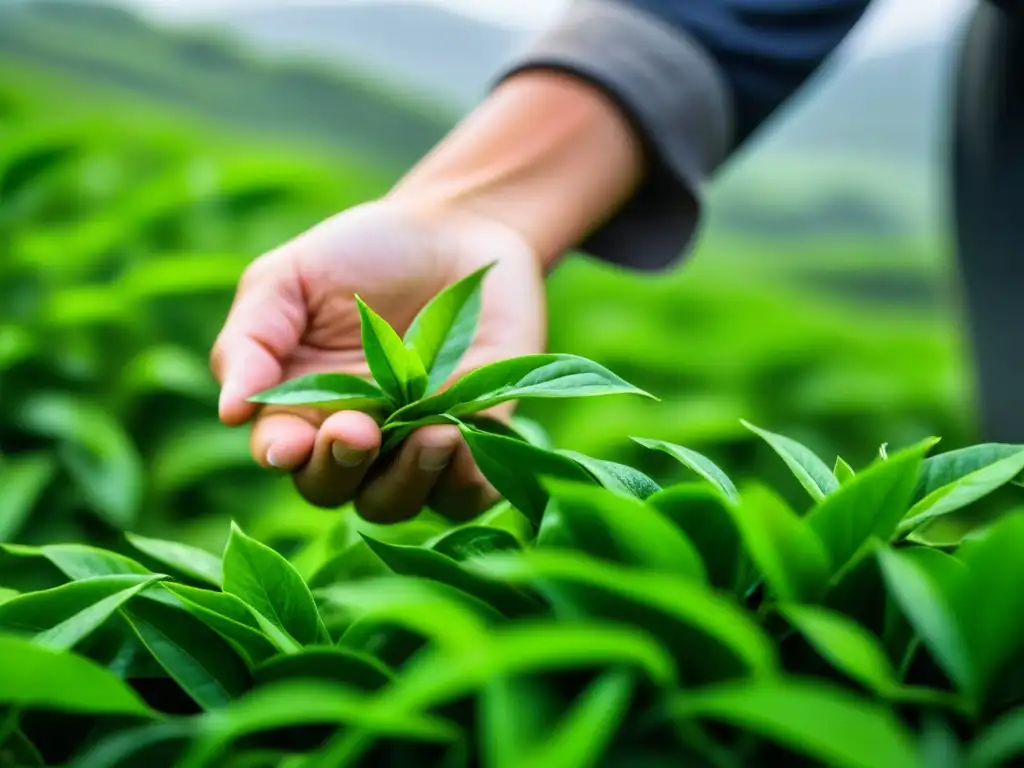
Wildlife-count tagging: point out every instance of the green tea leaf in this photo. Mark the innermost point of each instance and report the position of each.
(871, 504)
(700, 512)
(514, 713)
(232, 619)
(813, 474)
(23, 479)
(70, 607)
(514, 469)
(473, 541)
(191, 561)
(699, 463)
(683, 614)
(521, 378)
(826, 724)
(448, 616)
(441, 674)
(331, 391)
(928, 586)
(843, 471)
(443, 330)
(156, 743)
(397, 369)
(74, 629)
(789, 554)
(965, 485)
(264, 579)
(620, 478)
(624, 529)
(33, 677)
(1001, 744)
(845, 644)
(339, 665)
(95, 450)
(580, 739)
(992, 607)
(427, 564)
(78, 561)
(302, 702)
(195, 657)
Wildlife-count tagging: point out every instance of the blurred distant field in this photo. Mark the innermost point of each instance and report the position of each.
(140, 170)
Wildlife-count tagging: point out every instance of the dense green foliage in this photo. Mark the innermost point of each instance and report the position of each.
(632, 602)
(705, 623)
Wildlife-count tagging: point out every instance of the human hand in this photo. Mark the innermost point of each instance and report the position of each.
(295, 313)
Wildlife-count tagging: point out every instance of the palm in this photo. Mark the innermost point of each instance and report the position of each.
(397, 265)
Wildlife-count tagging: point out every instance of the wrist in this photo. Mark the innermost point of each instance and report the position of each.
(547, 156)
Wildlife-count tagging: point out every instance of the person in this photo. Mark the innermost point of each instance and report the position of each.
(600, 137)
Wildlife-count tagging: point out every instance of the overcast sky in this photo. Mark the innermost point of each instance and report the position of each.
(890, 23)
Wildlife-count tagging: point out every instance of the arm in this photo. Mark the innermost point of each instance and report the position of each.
(613, 157)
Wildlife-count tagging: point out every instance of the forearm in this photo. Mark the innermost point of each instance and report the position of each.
(547, 154)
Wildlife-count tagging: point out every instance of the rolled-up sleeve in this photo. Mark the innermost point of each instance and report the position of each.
(695, 78)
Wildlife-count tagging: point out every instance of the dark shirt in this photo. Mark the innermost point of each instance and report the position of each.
(696, 78)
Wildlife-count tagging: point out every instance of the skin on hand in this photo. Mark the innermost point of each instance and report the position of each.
(517, 183)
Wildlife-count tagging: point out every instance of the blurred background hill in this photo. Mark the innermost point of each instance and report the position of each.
(149, 150)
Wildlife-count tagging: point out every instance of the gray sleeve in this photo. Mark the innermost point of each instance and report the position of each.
(671, 91)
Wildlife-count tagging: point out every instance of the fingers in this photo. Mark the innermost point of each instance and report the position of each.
(402, 487)
(342, 452)
(462, 492)
(263, 328)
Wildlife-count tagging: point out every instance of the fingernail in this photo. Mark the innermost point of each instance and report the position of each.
(346, 456)
(274, 460)
(434, 459)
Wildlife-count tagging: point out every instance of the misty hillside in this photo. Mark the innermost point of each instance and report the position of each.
(203, 74)
(441, 53)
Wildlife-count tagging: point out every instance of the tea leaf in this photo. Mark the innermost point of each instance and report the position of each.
(230, 618)
(620, 478)
(699, 511)
(338, 665)
(871, 504)
(473, 540)
(191, 561)
(514, 713)
(928, 585)
(443, 330)
(194, 656)
(582, 736)
(71, 631)
(992, 609)
(683, 614)
(521, 378)
(135, 746)
(432, 609)
(514, 468)
(624, 529)
(264, 579)
(302, 702)
(845, 644)
(331, 391)
(23, 479)
(33, 677)
(1000, 744)
(813, 474)
(62, 616)
(396, 368)
(843, 472)
(699, 463)
(441, 674)
(828, 725)
(789, 554)
(415, 561)
(961, 480)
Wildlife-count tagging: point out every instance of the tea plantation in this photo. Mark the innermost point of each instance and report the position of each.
(743, 547)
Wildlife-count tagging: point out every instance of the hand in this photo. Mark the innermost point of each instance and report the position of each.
(294, 314)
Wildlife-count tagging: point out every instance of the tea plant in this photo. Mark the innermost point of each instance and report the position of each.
(705, 623)
(409, 371)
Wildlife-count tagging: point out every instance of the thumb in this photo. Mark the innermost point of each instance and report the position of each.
(263, 329)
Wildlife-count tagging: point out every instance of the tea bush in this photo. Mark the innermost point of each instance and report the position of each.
(704, 623)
